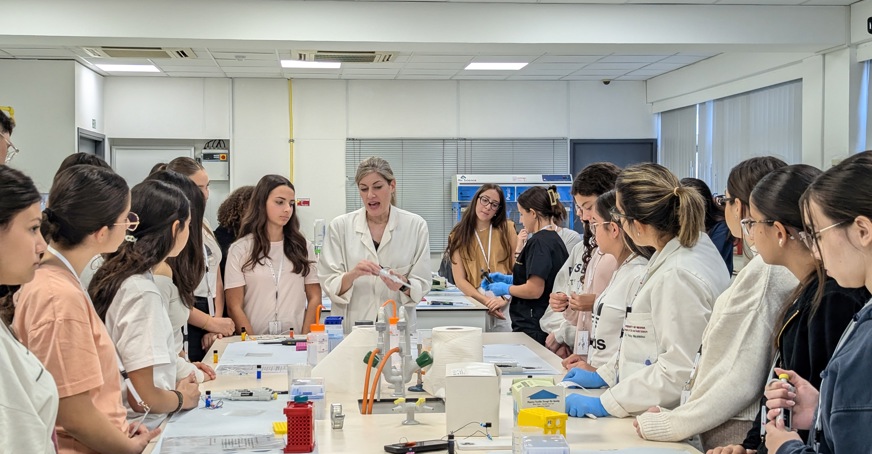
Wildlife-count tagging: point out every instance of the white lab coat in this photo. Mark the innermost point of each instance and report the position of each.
(663, 329)
(404, 248)
(609, 309)
(554, 322)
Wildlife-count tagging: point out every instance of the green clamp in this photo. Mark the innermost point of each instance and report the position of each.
(424, 360)
(375, 360)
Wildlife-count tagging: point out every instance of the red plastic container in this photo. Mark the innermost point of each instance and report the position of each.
(301, 425)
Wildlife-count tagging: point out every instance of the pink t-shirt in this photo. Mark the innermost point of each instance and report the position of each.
(57, 322)
(259, 303)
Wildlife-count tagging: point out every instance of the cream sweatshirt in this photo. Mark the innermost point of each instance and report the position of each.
(735, 359)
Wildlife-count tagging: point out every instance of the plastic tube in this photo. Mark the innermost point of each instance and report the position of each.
(378, 373)
(366, 381)
(391, 302)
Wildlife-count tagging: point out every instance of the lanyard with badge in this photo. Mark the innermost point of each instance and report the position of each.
(121, 368)
(624, 326)
(275, 326)
(688, 385)
(210, 300)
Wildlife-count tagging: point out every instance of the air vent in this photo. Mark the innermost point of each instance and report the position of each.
(140, 52)
(343, 56)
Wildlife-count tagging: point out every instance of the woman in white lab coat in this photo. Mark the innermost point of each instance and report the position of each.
(669, 309)
(378, 236)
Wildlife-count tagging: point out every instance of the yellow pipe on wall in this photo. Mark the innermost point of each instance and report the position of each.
(291, 127)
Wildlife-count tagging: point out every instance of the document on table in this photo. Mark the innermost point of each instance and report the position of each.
(250, 353)
(528, 362)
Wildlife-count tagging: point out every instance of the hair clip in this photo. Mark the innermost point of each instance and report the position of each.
(553, 196)
(130, 238)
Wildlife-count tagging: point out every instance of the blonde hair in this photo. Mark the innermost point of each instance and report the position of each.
(378, 165)
(652, 195)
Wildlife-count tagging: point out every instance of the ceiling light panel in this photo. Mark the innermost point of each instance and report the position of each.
(111, 68)
(494, 66)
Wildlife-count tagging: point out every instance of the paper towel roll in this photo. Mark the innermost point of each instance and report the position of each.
(451, 344)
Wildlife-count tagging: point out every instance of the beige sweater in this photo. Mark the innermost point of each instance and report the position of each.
(736, 355)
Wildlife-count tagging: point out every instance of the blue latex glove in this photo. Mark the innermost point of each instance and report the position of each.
(585, 378)
(500, 277)
(499, 288)
(578, 405)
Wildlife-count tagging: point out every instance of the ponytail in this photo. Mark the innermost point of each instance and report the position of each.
(691, 215)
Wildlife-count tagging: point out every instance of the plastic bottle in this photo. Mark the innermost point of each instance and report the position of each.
(318, 239)
(334, 330)
(208, 399)
(394, 332)
(215, 356)
(242, 333)
(787, 413)
(317, 342)
(259, 372)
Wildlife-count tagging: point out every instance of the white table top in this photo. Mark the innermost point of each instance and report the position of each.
(368, 434)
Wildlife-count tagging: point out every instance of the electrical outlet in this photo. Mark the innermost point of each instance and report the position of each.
(94, 123)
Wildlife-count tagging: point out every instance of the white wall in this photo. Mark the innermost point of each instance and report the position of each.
(327, 112)
(89, 99)
(167, 108)
(43, 96)
(261, 130)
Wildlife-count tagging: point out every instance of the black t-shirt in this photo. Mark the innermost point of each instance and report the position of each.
(543, 255)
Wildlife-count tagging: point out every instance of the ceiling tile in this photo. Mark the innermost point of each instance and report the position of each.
(43, 53)
(371, 72)
(632, 58)
(311, 76)
(757, 2)
(614, 66)
(191, 69)
(546, 72)
(647, 72)
(245, 55)
(445, 65)
(665, 66)
(249, 70)
(829, 2)
(367, 76)
(504, 58)
(525, 77)
(578, 77)
(685, 59)
(464, 76)
(255, 75)
(5, 55)
(628, 77)
(172, 62)
(568, 58)
(440, 58)
(598, 73)
(372, 65)
(194, 74)
(249, 63)
(675, 2)
(428, 72)
(554, 66)
(423, 76)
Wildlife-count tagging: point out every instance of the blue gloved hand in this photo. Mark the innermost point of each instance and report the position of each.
(585, 378)
(499, 288)
(500, 277)
(578, 405)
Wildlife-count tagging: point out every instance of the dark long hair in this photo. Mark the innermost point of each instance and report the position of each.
(82, 200)
(158, 205)
(17, 193)
(744, 176)
(713, 213)
(777, 198)
(189, 266)
(462, 237)
(593, 180)
(545, 202)
(843, 193)
(255, 223)
(604, 206)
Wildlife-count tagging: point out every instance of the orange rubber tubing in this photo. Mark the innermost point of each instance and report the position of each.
(378, 373)
(366, 381)
(392, 302)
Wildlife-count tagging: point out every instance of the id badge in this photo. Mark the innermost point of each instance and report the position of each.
(582, 342)
(685, 395)
(275, 327)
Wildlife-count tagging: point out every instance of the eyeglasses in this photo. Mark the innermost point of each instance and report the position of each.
(722, 200)
(495, 204)
(748, 224)
(12, 150)
(618, 216)
(595, 225)
(812, 239)
(132, 221)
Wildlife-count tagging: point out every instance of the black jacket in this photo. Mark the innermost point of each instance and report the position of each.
(807, 338)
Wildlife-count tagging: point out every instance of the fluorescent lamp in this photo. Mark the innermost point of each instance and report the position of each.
(129, 68)
(311, 64)
(494, 66)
